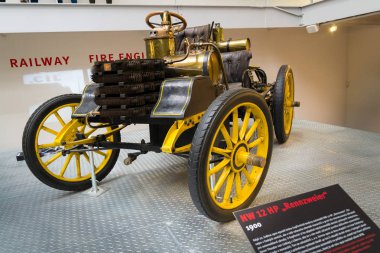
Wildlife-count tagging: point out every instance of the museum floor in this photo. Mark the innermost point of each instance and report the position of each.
(148, 208)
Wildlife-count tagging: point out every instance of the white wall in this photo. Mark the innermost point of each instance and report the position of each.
(23, 89)
(363, 75)
(318, 60)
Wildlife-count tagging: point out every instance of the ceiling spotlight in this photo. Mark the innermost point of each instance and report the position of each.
(333, 28)
(312, 28)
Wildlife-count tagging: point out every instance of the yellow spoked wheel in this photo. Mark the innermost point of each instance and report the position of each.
(283, 99)
(49, 131)
(230, 154)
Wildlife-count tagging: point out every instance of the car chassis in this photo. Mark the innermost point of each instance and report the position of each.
(183, 91)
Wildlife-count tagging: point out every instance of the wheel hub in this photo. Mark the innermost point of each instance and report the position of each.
(237, 163)
(240, 157)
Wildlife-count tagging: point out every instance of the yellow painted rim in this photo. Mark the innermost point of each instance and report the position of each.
(288, 101)
(76, 157)
(230, 187)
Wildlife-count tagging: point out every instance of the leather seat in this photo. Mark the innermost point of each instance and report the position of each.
(194, 34)
(235, 63)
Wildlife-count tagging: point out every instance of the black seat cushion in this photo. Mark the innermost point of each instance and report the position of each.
(235, 63)
(194, 34)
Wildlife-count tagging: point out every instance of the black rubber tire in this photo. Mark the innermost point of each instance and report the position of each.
(28, 142)
(200, 146)
(278, 105)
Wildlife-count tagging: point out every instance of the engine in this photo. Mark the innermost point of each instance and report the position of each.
(127, 88)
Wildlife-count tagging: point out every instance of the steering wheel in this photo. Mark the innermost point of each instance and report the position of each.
(166, 21)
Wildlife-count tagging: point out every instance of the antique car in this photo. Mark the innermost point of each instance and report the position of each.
(201, 99)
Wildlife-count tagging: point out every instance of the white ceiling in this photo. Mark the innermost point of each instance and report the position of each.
(130, 15)
(252, 3)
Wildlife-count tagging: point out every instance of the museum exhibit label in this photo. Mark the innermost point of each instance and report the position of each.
(325, 220)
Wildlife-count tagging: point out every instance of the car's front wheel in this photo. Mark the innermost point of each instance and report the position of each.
(230, 154)
(43, 153)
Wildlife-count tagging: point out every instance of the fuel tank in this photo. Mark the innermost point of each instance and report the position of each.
(234, 45)
(203, 63)
(159, 46)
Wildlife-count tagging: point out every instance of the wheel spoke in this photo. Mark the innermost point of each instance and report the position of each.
(59, 119)
(255, 142)
(235, 126)
(81, 129)
(55, 157)
(244, 126)
(68, 159)
(226, 136)
(248, 176)
(86, 157)
(90, 132)
(252, 129)
(219, 166)
(220, 151)
(77, 159)
(72, 109)
(220, 182)
(47, 145)
(238, 184)
(227, 193)
(100, 152)
(49, 130)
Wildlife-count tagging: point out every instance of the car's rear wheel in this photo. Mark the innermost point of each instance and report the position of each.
(283, 99)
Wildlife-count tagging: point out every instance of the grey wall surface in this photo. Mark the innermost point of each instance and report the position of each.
(363, 76)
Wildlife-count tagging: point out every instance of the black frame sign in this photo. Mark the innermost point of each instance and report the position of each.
(325, 220)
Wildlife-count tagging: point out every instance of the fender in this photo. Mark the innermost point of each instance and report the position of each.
(184, 96)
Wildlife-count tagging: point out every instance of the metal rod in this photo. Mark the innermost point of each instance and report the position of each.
(255, 160)
(133, 146)
(94, 187)
(105, 145)
(68, 151)
(186, 55)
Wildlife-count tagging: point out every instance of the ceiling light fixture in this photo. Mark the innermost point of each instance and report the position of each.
(312, 28)
(333, 28)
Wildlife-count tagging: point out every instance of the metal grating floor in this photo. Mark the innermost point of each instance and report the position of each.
(149, 209)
